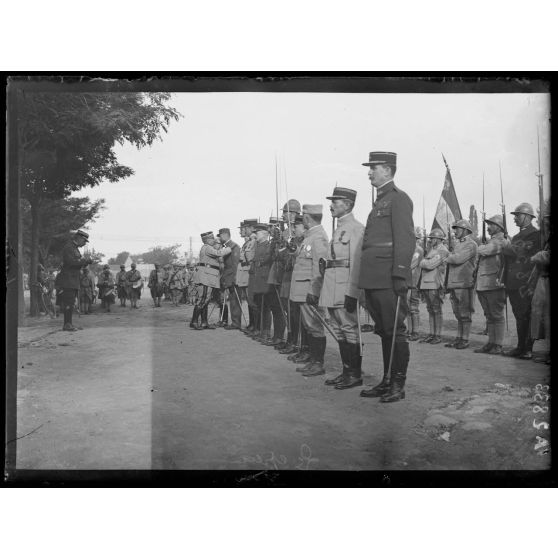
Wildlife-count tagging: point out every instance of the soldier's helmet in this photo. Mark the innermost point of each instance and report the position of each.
(463, 224)
(496, 220)
(525, 208)
(292, 206)
(106, 266)
(437, 233)
(418, 232)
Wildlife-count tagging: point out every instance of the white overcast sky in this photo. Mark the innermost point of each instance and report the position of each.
(216, 165)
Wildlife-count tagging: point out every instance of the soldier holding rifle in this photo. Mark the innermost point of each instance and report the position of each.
(413, 321)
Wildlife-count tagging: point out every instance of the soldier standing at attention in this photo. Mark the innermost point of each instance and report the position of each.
(413, 321)
(67, 281)
(243, 270)
(175, 283)
(105, 283)
(524, 245)
(260, 271)
(461, 281)
(288, 246)
(306, 284)
(208, 279)
(86, 289)
(121, 285)
(490, 290)
(433, 267)
(300, 353)
(250, 252)
(134, 283)
(228, 278)
(340, 292)
(385, 271)
(156, 284)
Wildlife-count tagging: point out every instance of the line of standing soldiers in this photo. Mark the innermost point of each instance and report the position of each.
(498, 269)
(291, 275)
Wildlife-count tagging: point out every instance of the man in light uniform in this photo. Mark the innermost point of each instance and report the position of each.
(306, 285)
(490, 289)
(207, 279)
(433, 275)
(340, 292)
(462, 262)
(121, 285)
(413, 321)
(134, 285)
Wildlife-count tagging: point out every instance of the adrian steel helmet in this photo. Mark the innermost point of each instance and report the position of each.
(463, 224)
(496, 220)
(525, 208)
(437, 233)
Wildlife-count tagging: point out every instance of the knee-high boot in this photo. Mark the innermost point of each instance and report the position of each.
(354, 377)
(383, 387)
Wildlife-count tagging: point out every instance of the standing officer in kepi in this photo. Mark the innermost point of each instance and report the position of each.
(490, 289)
(243, 270)
(462, 263)
(228, 278)
(156, 284)
(385, 271)
(67, 281)
(260, 273)
(306, 284)
(208, 279)
(524, 245)
(433, 275)
(413, 321)
(340, 292)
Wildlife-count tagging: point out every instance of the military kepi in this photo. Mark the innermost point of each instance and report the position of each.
(381, 158)
(206, 235)
(260, 226)
(342, 194)
(224, 230)
(313, 208)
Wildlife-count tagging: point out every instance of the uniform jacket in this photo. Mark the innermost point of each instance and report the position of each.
(462, 264)
(389, 240)
(87, 285)
(289, 257)
(346, 245)
(260, 266)
(72, 262)
(434, 268)
(121, 278)
(156, 278)
(230, 263)
(208, 265)
(542, 261)
(518, 254)
(105, 279)
(415, 265)
(132, 276)
(175, 279)
(306, 276)
(245, 258)
(490, 263)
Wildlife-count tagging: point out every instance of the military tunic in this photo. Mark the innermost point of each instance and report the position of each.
(246, 256)
(306, 277)
(68, 281)
(414, 298)
(461, 278)
(228, 281)
(540, 304)
(208, 265)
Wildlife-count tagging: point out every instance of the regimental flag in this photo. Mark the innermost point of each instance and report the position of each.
(447, 212)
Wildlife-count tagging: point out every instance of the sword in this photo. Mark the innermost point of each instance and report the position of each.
(323, 322)
(388, 379)
(240, 304)
(360, 343)
(224, 304)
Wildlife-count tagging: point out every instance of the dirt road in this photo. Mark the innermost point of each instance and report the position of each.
(137, 389)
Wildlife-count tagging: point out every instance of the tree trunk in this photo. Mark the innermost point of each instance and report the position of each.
(35, 230)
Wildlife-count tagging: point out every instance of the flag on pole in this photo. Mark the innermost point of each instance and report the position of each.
(447, 212)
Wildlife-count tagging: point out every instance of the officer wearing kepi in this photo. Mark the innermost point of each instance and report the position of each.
(340, 292)
(462, 264)
(385, 271)
(524, 245)
(228, 278)
(67, 281)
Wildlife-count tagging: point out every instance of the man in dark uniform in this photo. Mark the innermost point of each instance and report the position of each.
(385, 271)
(67, 281)
(228, 277)
(260, 267)
(524, 245)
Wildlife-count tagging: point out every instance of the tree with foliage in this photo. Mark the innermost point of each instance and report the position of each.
(159, 254)
(121, 258)
(66, 142)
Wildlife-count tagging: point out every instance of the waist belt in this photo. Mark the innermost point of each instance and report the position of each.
(211, 266)
(381, 244)
(336, 263)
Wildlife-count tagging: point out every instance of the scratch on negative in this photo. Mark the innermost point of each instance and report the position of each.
(28, 434)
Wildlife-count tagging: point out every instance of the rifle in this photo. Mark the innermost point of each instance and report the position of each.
(424, 242)
(503, 269)
(483, 238)
(541, 194)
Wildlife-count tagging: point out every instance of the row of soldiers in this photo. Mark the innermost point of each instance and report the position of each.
(499, 269)
(294, 277)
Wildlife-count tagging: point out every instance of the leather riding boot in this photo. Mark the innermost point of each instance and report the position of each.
(399, 373)
(396, 389)
(383, 387)
(354, 378)
(317, 364)
(311, 354)
(195, 315)
(303, 356)
(204, 318)
(343, 351)
(288, 350)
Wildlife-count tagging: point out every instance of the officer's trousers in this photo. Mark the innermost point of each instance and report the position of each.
(414, 300)
(310, 322)
(236, 311)
(344, 324)
(274, 304)
(262, 314)
(462, 304)
(521, 307)
(493, 303)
